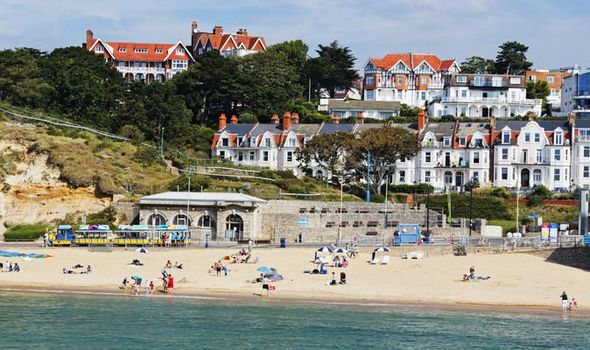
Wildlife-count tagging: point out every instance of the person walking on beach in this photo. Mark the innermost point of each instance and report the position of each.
(170, 283)
(265, 284)
(564, 301)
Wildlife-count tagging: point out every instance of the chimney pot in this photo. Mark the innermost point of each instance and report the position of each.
(335, 119)
(234, 119)
(274, 119)
(295, 118)
(222, 121)
(422, 119)
(286, 120)
(217, 30)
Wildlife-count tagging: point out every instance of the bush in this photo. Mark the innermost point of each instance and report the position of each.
(447, 118)
(484, 207)
(131, 132)
(105, 217)
(24, 232)
(500, 192)
(198, 182)
(419, 188)
(146, 156)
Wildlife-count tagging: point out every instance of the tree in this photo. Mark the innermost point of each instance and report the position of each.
(511, 58)
(539, 90)
(294, 53)
(324, 152)
(476, 64)
(386, 146)
(20, 79)
(333, 69)
(83, 85)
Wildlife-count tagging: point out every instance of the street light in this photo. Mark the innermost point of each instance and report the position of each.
(340, 224)
(161, 141)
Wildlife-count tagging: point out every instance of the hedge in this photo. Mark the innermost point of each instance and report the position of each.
(24, 232)
(485, 207)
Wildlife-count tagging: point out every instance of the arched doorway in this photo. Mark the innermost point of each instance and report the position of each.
(525, 178)
(448, 178)
(156, 220)
(235, 223)
(182, 219)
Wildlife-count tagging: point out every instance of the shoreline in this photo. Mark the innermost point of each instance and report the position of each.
(292, 299)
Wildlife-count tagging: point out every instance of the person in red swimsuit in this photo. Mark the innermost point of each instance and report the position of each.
(170, 283)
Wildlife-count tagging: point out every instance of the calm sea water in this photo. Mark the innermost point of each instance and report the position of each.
(30, 321)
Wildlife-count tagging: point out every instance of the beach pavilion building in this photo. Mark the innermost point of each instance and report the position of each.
(233, 216)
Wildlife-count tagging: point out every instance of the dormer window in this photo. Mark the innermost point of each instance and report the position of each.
(527, 137)
(180, 51)
(140, 50)
(478, 80)
(291, 142)
(99, 49)
(122, 49)
(461, 79)
(537, 137)
(225, 142)
(461, 141)
(267, 142)
(159, 50)
(240, 140)
(447, 141)
(558, 138)
(506, 137)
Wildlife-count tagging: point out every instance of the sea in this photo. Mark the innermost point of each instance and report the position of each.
(60, 321)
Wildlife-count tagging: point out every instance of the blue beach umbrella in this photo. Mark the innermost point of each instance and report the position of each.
(341, 251)
(264, 269)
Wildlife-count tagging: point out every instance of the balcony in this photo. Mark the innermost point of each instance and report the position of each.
(144, 70)
(488, 84)
(490, 100)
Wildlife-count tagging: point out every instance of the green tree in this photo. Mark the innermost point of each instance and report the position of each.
(83, 85)
(295, 54)
(476, 64)
(333, 68)
(386, 146)
(539, 90)
(511, 58)
(20, 79)
(325, 152)
(408, 111)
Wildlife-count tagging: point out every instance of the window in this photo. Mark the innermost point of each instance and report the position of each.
(99, 49)
(550, 79)
(205, 221)
(496, 81)
(584, 134)
(180, 51)
(122, 49)
(289, 156)
(558, 138)
(370, 94)
(463, 93)
(504, 173)
(506, 137)
(423, 95)
(427, 157)
(515, 80)
(586, 173)
(251, 156)
(427, 176)
(527, 137)
(240, 140)
(265, 156)
(556, 175)
(292, 142)
(537, 175)
(225, 142)
(557, 154)
(240, 156)
(476, 175)
(539, 156)
(222, 154)
(537, 137)
(476, 157)
(447, 141)
(267, 142)
(586, 151)
(370, 80)
(400, 79)
(159, 50)
(423, 80)
(402, 176)
(533, 78)
(504, 153)
(478, 80)
(179, 64)
(140, 50)
(461, 141)
(461, 78)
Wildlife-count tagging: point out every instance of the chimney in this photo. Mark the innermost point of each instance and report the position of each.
(217, 30)
(295, 118)
(222, 121)
(493, 123)
(286, 120)
(234, 119)
(360, 117)
(335, 119)
(242, 31)
(274, 119)
(531, 116)
(194, 27)
(422, 119)
(89, 38)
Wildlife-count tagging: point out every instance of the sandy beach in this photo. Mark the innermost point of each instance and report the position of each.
(517, 279)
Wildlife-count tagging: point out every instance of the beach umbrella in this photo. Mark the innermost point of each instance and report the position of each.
(325, 250)
(264, 269)
(341, 251)
(136, 278)
(381, 250)
(141, 250)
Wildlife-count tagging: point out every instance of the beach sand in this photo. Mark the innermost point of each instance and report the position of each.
(518, 279)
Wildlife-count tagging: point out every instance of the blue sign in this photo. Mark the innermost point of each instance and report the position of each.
(303, 222)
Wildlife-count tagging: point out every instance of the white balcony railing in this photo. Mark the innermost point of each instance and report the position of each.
(141, 70)
(489, 100)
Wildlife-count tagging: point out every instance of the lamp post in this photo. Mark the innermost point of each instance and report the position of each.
(340, 224)
(162, 141)
(470, 204)
(386, 208)
(188, 195)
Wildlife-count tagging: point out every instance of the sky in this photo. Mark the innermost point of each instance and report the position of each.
(556, 31)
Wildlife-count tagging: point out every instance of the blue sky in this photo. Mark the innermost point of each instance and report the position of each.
(556, 31)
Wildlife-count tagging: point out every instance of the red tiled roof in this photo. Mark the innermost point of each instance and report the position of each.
(155, 52)
(218, 41)
(412, 61)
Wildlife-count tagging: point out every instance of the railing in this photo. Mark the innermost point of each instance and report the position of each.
(489, 100)
(125, 69)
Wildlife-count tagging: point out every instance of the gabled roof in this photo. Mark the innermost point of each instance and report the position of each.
(239, 41)
(124, 51)
(412, 61)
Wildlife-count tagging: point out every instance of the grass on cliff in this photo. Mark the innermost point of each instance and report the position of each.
(19, 233)
(84, 159)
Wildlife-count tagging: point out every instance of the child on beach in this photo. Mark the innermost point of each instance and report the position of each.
(266, 285)
(151, 287)
(573, 305)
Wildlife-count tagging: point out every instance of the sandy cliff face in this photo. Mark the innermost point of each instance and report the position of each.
(32, 192)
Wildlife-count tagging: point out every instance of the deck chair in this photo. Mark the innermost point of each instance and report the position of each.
(385, 260)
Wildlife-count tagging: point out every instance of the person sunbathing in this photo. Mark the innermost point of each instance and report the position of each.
(177, 265)
(65, 271)
(136, 262)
